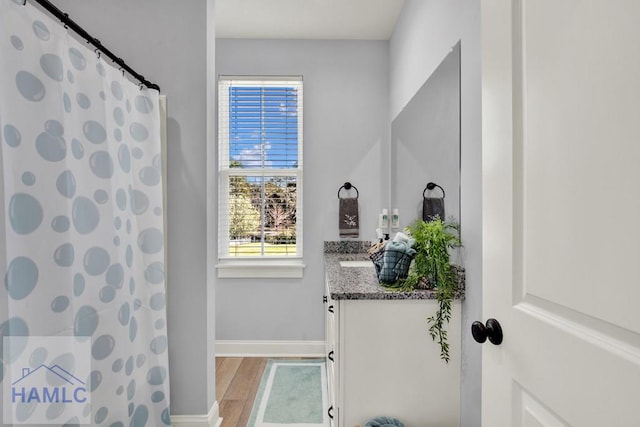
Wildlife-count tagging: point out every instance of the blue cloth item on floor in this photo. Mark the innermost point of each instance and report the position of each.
(384, 422)
(395, 261)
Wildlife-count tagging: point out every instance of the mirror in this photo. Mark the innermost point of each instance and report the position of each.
(425, 144)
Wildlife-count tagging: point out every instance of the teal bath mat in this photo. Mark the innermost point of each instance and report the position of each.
(291, 393)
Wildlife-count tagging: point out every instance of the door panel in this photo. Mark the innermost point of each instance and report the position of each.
(561, 189)
(576, 103)
(531, 413)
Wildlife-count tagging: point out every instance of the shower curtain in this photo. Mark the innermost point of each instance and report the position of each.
(82, 308)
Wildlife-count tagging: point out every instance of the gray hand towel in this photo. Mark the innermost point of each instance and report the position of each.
(348, 222)
(432, 207)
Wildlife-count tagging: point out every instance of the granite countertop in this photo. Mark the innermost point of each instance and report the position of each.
(361, 283)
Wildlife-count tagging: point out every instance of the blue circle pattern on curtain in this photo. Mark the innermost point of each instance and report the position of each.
(83, 219)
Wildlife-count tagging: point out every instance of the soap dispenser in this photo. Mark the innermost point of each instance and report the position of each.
(383, 220)
(395, 219)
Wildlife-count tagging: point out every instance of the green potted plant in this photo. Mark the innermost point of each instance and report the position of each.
(432, 266)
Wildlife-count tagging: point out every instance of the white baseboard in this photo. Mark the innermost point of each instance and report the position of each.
(233, 348)
(212, 419)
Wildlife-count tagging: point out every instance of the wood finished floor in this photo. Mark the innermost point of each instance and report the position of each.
(237, 382)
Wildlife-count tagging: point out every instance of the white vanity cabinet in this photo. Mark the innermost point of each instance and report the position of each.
(381, 361)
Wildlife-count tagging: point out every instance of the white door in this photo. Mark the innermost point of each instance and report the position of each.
(561, 209)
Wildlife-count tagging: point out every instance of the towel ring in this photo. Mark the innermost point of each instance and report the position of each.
(348, 186)
(431, 186)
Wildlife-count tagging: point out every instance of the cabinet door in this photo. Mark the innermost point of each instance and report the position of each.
(389, 365)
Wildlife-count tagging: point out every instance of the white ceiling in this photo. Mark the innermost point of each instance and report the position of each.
(307, 19)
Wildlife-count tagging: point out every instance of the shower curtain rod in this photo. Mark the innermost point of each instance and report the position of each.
(70, 23)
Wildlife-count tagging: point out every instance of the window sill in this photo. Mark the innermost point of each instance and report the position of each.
(260, 269)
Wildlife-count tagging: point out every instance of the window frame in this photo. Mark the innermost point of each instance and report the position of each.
(261, 266)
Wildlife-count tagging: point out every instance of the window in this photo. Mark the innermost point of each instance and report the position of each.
(260, 175)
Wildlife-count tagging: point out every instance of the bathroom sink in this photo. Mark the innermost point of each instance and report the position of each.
(356, 263)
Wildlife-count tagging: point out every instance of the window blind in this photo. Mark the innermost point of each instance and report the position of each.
(260, 167)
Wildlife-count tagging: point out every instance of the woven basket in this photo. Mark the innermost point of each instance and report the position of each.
(396, 268)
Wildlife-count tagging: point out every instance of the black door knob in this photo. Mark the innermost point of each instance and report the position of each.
(491, 330)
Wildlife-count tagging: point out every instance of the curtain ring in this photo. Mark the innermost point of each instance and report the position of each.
(97, 52)
(24, 2)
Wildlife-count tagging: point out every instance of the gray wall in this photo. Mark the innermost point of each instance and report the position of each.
(426, 31)
(346, 138)
(166, 41)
